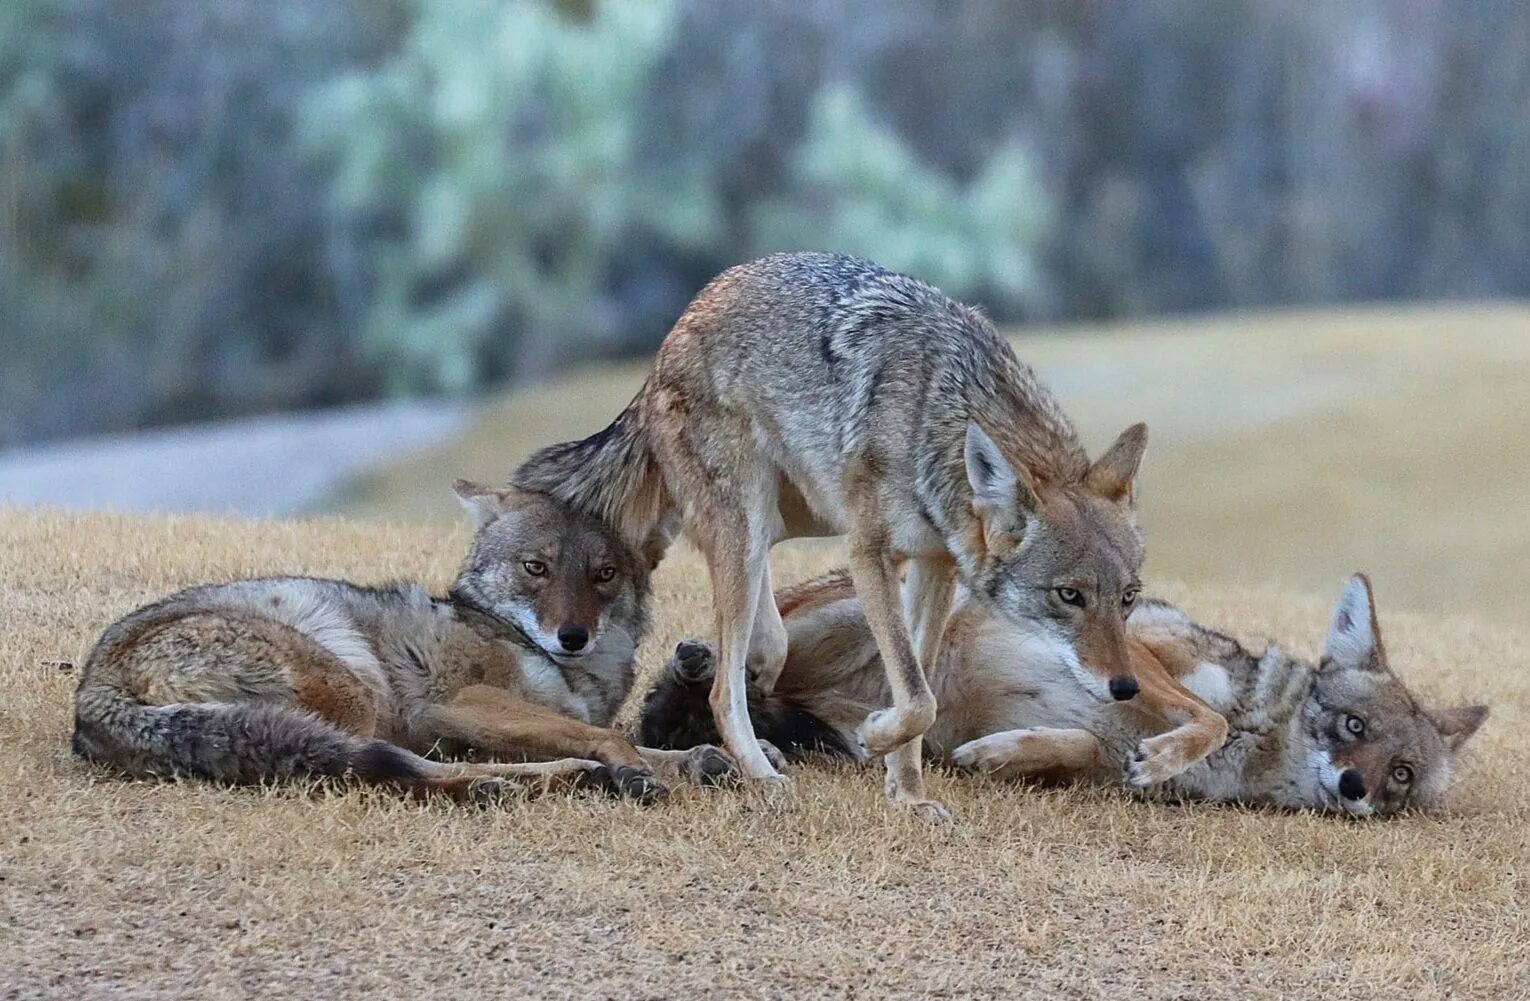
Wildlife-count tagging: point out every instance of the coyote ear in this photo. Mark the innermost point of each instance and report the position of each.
(1112, 473)
(1354, 640)
(1000, 495)
(483, 503)
(1457, 724)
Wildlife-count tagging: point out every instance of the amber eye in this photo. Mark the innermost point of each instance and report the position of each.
(1355, 725)
(605, 574)
(1402, 775)
(1070, 596)
(535, 567)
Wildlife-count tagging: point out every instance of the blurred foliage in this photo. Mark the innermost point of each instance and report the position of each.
(857, 188)
(214, 206)
(495, 149)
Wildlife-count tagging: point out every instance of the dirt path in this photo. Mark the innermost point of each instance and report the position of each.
(259, 466)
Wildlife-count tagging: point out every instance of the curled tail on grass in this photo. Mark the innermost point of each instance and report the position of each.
(238, 742)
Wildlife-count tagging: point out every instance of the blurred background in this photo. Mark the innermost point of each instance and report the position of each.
(307, 255)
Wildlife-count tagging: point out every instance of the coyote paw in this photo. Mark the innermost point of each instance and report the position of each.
(709, 766)
(879, 733)
(773, 755)
(776, 789)
(1157, 759)
(931, 811)
(982, 755)
(637, 783)
(692, 663)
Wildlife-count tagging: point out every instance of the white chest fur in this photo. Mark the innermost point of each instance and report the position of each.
(547, 687)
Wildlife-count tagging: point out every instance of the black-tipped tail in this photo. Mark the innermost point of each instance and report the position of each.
(228, 742)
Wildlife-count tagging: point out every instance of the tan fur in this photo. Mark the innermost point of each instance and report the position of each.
(266, 679)
(816, 394)
(1212, 720)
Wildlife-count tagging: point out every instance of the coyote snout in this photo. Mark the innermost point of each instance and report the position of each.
(1123, 687)
(563, 589)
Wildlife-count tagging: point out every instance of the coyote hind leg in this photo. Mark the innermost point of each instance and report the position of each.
(737, 562)
(913, 708)
(767, 637)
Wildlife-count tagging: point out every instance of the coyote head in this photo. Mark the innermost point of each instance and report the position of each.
(567, 582)
(1372, 748)
(1062, 560)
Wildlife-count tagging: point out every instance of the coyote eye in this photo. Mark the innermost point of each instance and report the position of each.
(605, 574)
(1129, 598)
(1070, 596)
(1402, 775)
(535, 567)
(1355, 725)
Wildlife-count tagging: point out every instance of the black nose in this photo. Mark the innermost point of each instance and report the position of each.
(1351, 785)
(1123, 688)
(573, 638)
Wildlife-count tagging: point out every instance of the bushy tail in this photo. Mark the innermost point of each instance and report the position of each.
(229, 742)
(611, 474)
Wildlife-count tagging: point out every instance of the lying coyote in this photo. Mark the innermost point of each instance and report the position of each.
(527, 658)
(815, 394)
(1213, 721)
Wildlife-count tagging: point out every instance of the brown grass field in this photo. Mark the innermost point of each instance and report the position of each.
(118, 889)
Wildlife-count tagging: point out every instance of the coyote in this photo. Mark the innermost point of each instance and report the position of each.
(814, 394)
(527, 658)
(1342, 735)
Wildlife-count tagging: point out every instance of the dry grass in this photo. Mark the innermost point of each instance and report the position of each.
(111, 888)
(1287, 451)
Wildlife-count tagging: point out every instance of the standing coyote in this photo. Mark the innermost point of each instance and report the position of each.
(813, 394)
(1343, 735)
(528, 658)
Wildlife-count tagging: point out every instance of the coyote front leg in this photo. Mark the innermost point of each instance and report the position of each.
(495, 721)
(913, 709)
(927, 592)
(1035, 752)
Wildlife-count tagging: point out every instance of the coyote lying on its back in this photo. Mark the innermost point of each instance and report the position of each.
(528, 658)
(1213, 720)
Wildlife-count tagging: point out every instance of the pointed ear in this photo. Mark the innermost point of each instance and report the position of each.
(1112, 473)
(1354, 640)
(1000, 496)
(483, 503)
(1457, 724)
